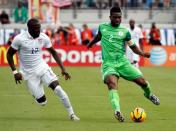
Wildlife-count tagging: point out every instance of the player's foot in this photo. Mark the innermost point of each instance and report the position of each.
(119, 116)
(153, 99)
(73, 117)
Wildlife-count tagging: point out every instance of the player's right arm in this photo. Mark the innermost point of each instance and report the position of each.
(96, 39)
(10, 54)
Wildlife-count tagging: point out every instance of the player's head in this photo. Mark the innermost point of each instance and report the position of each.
(115, 16)
(153, 24)
(132, 23)
(34, 26)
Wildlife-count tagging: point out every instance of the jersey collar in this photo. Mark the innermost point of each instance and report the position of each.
(29, 36)
(113, 26)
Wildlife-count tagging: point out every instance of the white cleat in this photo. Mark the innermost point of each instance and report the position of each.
(73, 117)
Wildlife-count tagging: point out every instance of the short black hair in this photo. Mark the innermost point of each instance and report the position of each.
(116, 9)
(32, 21)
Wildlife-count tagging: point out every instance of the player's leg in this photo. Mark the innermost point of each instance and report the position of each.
(135, 60)
(132, 73)
(147, 90)
(35, 87)
(110, 78)
(135, 63)
(112, 81)
(50, 79)
(64, 99)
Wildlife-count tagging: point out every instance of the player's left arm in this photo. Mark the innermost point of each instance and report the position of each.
(59, 62)
(136, 50)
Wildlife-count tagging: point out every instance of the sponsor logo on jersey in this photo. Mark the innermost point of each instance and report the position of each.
(40, 41)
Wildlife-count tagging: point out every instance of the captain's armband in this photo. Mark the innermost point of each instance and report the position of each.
(131, 43)
(15, 72)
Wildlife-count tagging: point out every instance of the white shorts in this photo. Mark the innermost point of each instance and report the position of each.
(35, 83)
(131, 55)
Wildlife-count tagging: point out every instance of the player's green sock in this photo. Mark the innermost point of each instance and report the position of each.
(114, 99)
(147, 90)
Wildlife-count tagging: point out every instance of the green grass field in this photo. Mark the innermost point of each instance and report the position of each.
(89, 97)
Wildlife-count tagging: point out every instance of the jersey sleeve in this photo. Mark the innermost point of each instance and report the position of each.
(128, 36)
(130, 41)
(15, 43)
(99, 28)
(47, 42)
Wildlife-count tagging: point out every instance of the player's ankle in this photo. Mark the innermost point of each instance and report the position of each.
(147, 94)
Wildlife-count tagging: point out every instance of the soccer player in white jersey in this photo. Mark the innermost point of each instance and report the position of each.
(137, 36)
(34, 69)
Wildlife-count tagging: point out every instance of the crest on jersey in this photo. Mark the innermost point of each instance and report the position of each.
(120, 33)
(40, 41)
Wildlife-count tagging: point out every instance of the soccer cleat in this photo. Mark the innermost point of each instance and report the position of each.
(153, 99)
(119, 116)
(73, 117)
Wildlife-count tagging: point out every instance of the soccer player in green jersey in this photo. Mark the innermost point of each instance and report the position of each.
(113, 37)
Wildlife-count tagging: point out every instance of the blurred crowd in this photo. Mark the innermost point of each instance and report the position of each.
(20, 12)
(125, 3)
(72, 36)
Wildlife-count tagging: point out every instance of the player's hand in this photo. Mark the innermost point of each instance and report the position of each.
(18, 78)
(66, 75)
(89, 46)
(147, 55)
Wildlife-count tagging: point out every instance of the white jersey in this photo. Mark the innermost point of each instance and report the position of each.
(30, 52)
(136, 34)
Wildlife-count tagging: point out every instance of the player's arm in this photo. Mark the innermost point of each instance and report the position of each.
(10, 54)
(59, 62)
(136, 50)
(140, 43)
(96, 39)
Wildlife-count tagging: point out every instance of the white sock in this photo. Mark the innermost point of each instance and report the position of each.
(64, 99)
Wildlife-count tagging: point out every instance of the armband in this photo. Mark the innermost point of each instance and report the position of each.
(15, 72)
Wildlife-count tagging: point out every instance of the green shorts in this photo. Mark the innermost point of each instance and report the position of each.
(123, 69)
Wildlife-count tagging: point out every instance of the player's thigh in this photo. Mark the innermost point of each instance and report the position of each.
(129, 72)
(49, 77)
(35, 87)
(108, 69)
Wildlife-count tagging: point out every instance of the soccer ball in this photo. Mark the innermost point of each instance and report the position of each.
(138, 115)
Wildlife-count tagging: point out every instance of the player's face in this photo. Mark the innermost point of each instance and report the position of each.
(115, 19)
(34, 30)
(132, 23)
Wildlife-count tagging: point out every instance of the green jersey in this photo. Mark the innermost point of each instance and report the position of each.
(113, 42)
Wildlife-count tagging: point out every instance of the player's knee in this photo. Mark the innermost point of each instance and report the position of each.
(54, 84)
(111, 85)
(42, 100)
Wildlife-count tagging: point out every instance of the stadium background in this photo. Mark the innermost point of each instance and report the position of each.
(86, 89)
(56, 13)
